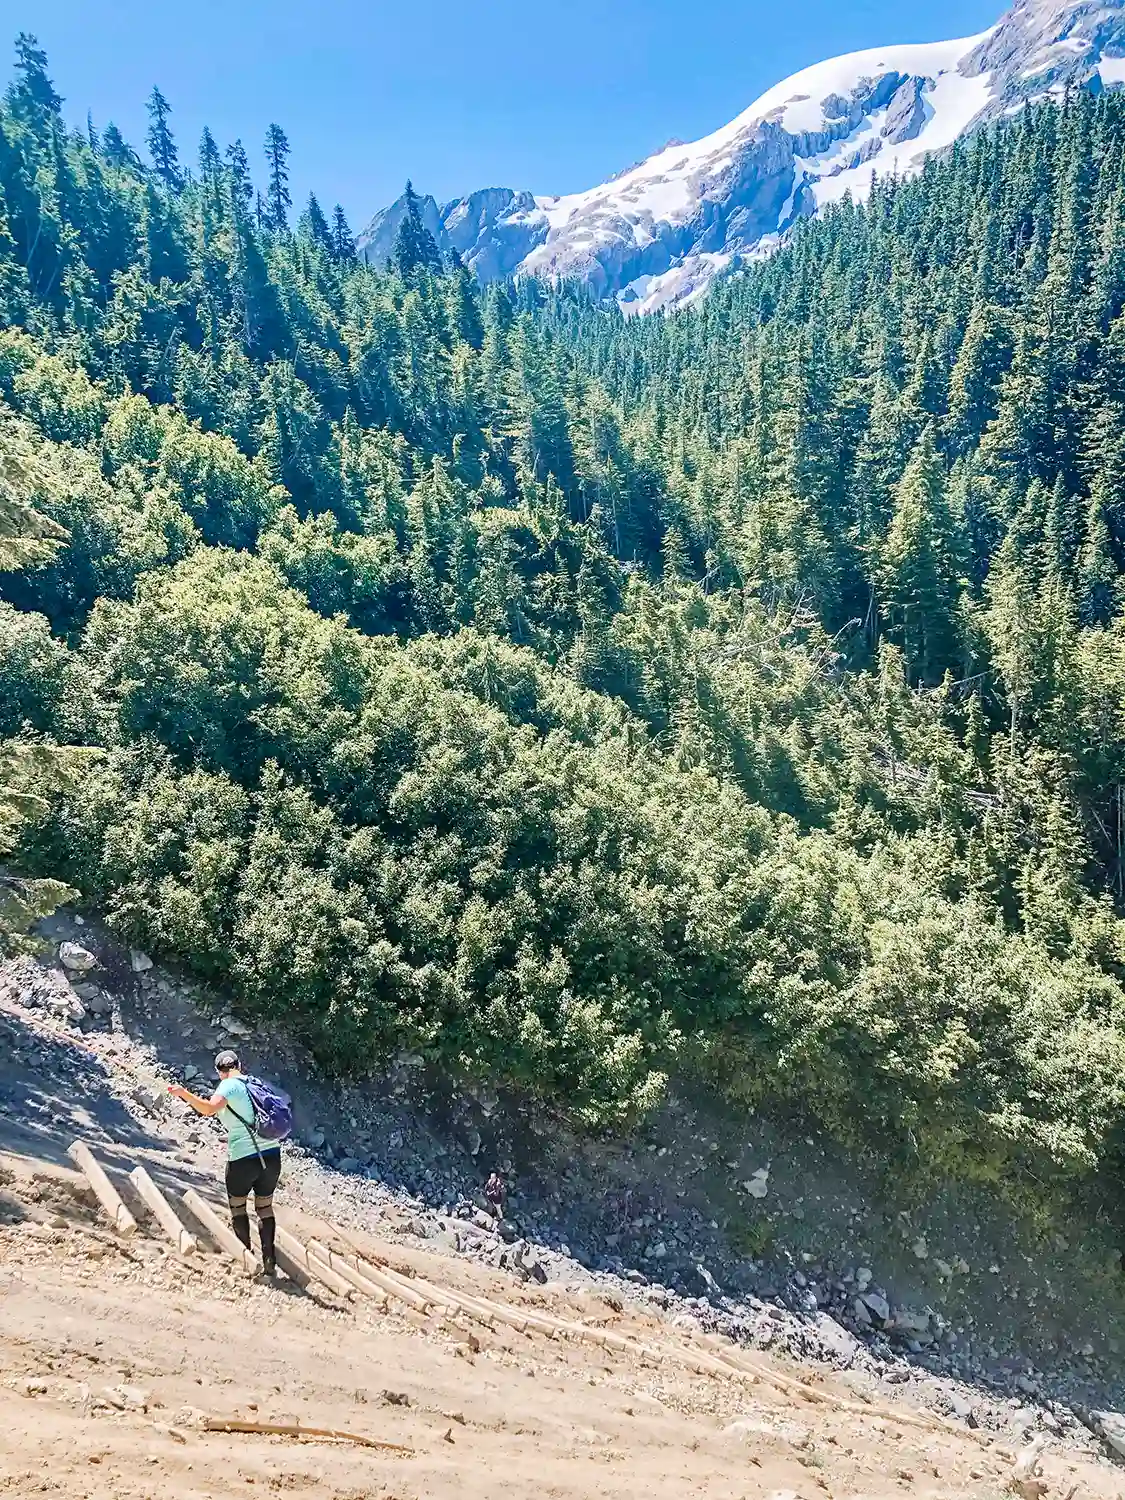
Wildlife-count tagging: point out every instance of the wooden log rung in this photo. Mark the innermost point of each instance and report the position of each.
(370, 1286)
(163, 1212)
(311, 1264)
(223, 1235)
(377, 1278)
(104, 1190)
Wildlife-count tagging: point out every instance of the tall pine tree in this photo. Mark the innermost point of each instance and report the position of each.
(313, 226)
(343, 245)
(415, 248)
(238, 166)
(161, 146)
(922, 560)
(278, 202)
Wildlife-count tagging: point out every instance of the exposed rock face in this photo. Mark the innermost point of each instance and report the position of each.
(906, 113)
(1047, 45)
(493, 230)
(659, 233)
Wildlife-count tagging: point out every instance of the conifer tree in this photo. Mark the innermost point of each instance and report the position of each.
(595, 658)
(1011, 596)
(1059, 529)
(343, 244)
(466, 312)
(313, 226)
(1017, 444)
(278, 200)
(415, 247)
(167, 253)
(32, 97)
(117, 151)
(981, 360)
(210, 162)
(880, 458)
(1096, 581)
(161, 145)
(921, 565)
(238, 166)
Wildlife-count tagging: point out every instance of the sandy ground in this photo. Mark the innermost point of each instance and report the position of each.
(112, 1356)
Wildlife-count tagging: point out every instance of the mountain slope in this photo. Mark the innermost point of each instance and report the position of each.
(658, 233)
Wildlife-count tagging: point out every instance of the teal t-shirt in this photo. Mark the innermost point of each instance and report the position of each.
(240, 1142)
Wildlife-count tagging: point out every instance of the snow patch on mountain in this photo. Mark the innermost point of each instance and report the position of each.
(948, 107)
(655, 235)
(680, 286)
(835, 118)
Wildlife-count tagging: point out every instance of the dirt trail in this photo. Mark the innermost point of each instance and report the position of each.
(112, 1354)
(779, 1240)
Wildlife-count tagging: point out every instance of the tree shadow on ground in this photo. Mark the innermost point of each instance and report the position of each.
(53, 1092)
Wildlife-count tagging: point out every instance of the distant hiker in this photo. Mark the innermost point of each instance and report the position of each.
(495, 1192)
(256, 1117)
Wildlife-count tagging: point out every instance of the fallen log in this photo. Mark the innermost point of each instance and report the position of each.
(790, 1386)
(466, 1302)
(163, 1212)
(718, 1363)
(454, 1301)
(104, 1190)
(486, 1311)
(294, 1429)
(327, 1277)
(223, 1235)
(424, 1298)
(480, 1308)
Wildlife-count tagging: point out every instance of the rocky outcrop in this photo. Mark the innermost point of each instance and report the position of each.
(906, 112)
(1046, 46)
(494, 230)
(656, 234)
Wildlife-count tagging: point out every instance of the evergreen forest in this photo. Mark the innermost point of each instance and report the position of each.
(579, 702)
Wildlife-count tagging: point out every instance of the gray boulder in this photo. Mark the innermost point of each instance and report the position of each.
(1110, 1427)
(77, 959)
(877, 1304)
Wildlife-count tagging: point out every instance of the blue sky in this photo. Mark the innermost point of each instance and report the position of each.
(456, 94)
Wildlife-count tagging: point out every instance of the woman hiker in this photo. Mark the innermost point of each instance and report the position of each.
(253, 1165)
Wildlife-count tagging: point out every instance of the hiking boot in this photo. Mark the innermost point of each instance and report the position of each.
(269, 1268)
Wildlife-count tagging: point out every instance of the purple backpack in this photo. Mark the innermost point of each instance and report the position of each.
(273, 1110)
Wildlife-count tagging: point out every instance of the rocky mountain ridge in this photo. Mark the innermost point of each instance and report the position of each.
(657, 234)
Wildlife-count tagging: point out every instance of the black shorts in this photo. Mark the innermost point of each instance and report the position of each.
(254, 1174)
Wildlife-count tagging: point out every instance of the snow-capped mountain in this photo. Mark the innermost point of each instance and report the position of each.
(657, 234)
